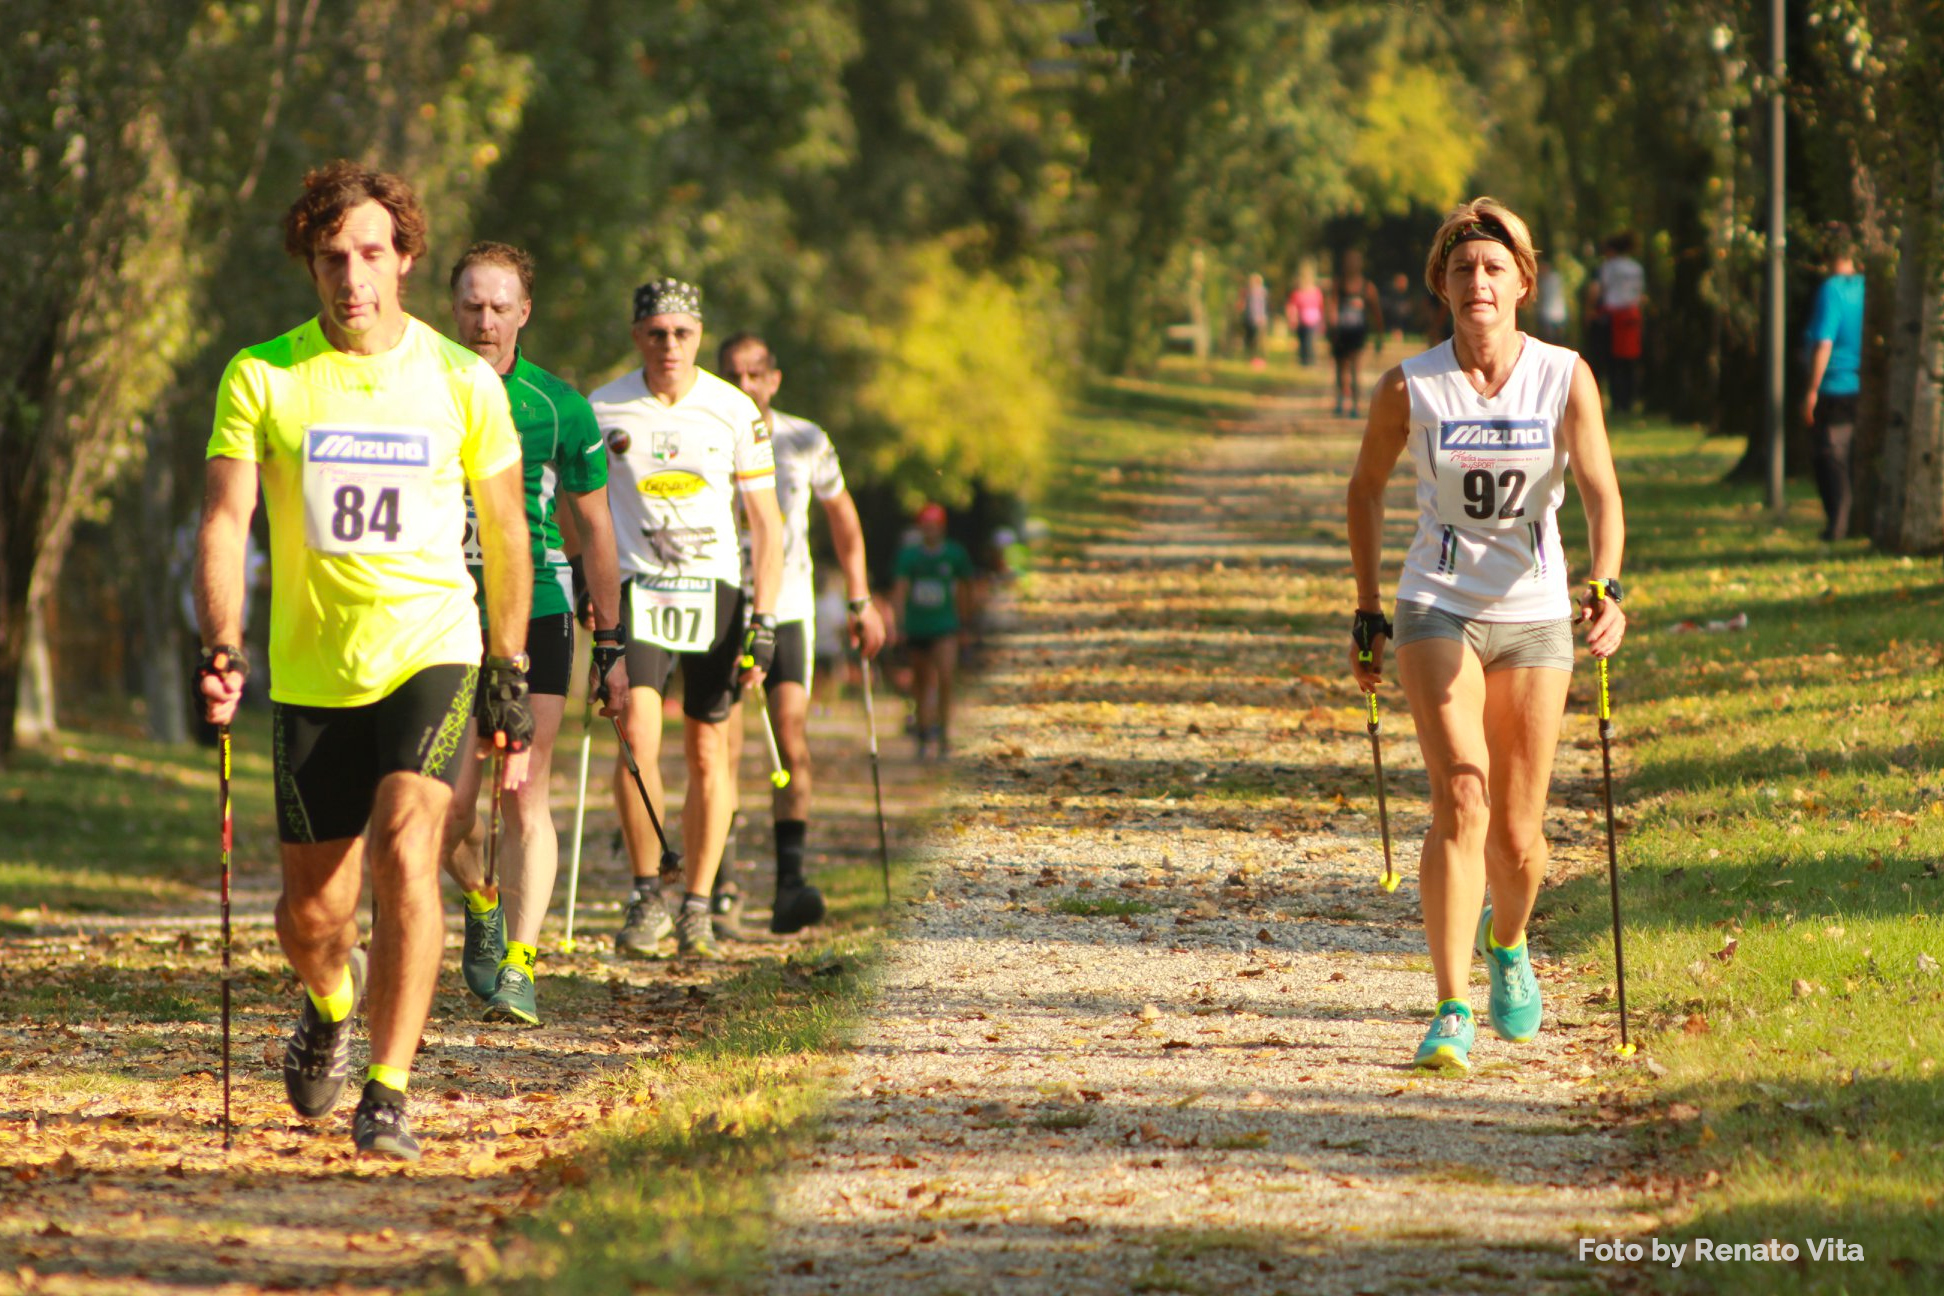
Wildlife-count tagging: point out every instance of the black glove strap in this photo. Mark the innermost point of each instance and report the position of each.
(759, 643)
(503, 707)
(223, 659)
(1365, 629)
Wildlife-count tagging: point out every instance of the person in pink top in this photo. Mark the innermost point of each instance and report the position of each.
(1304, 311)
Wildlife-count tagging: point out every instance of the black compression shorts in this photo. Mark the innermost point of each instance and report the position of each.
(792, 664)
(550, 645)
(710, 683)
(329, 760)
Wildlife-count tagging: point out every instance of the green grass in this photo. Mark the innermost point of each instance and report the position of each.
(101, 824)
(1784, 794)
(674, 1197)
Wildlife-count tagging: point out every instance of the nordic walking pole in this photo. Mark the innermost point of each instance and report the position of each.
(877, 782)
(580, 816)
(223, 743)
(493, 822)
(627, 756)
(779, 777)
(1365, 630)
(1613, 853)
(1389, 880)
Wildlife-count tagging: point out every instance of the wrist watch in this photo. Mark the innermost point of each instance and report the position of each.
(858, 605)
(519, 663)
(1610, 586)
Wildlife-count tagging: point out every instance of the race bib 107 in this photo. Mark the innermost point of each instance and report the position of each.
(367, 490)
(1489, 468)
(676, 612)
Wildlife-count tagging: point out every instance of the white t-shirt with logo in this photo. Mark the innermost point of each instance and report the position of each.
(806, 469)
(673, 474)
(1491, 475)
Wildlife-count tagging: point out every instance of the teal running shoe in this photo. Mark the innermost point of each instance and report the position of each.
(485, 946)
(1447, 1045)
(513, 998)
(1516, 1010)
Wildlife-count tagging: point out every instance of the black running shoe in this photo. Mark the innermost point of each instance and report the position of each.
(317, 1057)
(380, 1127)
(796, 907)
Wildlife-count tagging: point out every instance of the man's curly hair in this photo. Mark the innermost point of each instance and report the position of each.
(332, 190)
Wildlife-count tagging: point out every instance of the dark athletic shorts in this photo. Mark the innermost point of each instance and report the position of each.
(1346, 342)
(792, 664)
(925, 643)
(329, 760)
(550, 644)
(709, 679)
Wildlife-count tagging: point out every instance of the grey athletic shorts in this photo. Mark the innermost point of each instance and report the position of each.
(1500, 645)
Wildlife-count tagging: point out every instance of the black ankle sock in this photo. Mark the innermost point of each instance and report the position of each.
(693, 903)
(789, 852)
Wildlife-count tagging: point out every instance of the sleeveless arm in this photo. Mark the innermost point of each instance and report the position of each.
(1386, 430)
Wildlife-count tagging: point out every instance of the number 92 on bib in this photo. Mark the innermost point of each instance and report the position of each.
(1489, 468)
(675, 612)
(367, 490)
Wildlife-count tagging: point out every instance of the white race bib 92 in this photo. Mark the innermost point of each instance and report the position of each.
(676, 612)
(367, 489)
(1489, 469)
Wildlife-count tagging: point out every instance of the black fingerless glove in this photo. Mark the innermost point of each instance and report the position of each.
(759, 643)
(583, 599)
(1365, 629)
(503, 709)
(610, 646)
(223, 659)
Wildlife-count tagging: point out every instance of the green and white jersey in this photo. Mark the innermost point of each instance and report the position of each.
(560, 449)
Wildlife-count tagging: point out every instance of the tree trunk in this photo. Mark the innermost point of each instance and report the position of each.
(33, 718)
(1872, 405)
(162, 652)
(1909, 514)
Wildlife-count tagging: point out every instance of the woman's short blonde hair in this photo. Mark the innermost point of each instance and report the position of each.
(1493, 218)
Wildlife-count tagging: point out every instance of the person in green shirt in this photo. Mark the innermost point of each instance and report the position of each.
(933, 599)
(564, 460)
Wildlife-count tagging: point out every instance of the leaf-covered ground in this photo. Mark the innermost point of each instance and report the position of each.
(1150, 1028)
(112, 1174)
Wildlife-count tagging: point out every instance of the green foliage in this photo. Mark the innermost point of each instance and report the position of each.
(963, 380)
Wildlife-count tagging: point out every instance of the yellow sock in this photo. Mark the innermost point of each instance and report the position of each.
(337, 1005)
(389, 1076)
(1492, 942)
(520, 956)
(481, 903)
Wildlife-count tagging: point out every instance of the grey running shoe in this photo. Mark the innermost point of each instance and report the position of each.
(317, 1057)
(796, 907)
(695, 935)
(725, 914)
(513, 999)
(646, 926)
(485, 946)
(380, 1127)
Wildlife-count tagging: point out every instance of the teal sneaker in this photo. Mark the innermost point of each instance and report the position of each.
(485, 946)
(513, 998)
(1516, 1010)
(1447, 1045)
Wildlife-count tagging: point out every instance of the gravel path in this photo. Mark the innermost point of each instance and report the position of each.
(1149, 1028)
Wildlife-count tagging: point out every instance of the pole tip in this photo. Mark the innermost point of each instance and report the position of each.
(569, 945)
(781, 778)
(1388, 882)
(1623, 1050)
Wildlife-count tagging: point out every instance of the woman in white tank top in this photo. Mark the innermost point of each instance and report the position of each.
(1493, 420)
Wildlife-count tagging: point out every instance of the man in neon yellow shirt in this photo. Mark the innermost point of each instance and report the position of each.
(362, 426)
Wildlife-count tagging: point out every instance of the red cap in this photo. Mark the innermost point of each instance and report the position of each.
(932, 513)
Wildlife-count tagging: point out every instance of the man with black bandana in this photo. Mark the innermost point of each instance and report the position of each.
(682, 445)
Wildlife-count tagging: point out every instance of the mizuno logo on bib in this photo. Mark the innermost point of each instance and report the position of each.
(367, 490)
(1489, 468)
